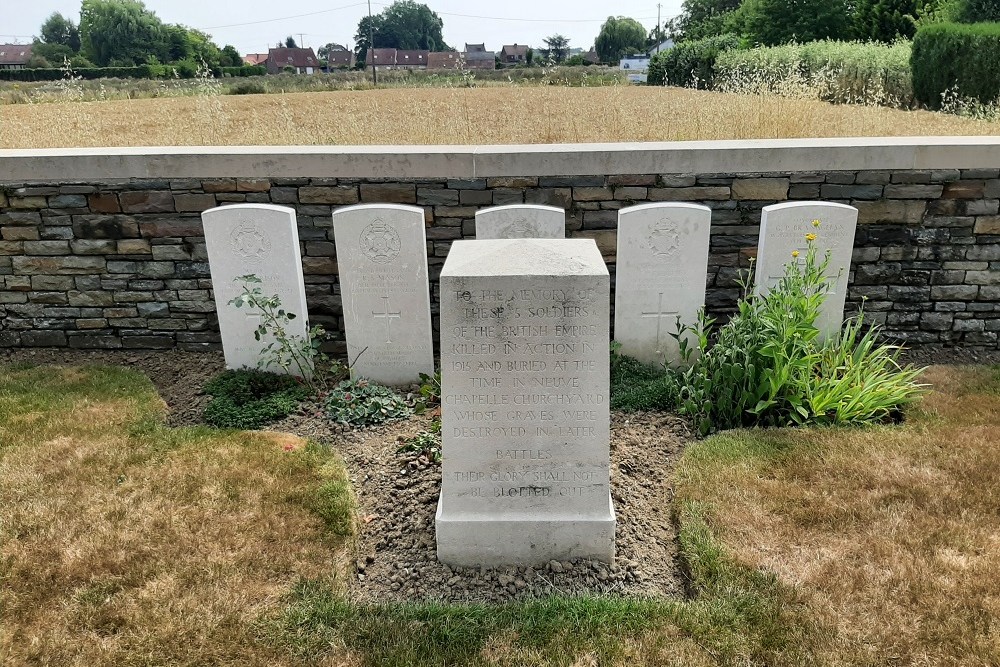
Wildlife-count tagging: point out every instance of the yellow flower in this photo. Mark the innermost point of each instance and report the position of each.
(795, 253)
(810, 237)
(815, 223)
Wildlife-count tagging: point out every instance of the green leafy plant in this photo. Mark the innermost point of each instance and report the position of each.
(769, 366)
(430, 391)
(359, 402)
(637, 386)
(250, 399)
(426, 443)
(302, 357)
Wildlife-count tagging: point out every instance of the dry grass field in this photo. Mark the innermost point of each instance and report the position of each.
(493, 115)
(890, 536)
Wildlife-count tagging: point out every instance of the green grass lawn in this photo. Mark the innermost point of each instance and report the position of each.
(123, 542)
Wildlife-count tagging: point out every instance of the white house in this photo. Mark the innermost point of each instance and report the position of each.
(636, 66)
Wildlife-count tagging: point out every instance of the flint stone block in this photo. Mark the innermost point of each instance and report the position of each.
(908, 191)
(387, 193)
(764, 189)
(689, 194)
(59, 265)
(104, 202)
(194, 202)
(43, 339)
(19, 233)
(147, 201)
(332, 195)
(104, 227)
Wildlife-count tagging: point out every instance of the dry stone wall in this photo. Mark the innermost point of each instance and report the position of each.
(122, 263)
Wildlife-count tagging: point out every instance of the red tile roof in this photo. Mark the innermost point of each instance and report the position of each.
(15, 54)
(255, 58)
(285, 57)
(442, 60)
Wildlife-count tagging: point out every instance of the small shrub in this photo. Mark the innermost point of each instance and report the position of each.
(248, 88)
(363, 403)
(250, 399)
(960, 57)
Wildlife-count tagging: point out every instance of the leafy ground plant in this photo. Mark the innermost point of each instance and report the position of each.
(250, 399)
(636, 386)
(426, 443)
(360, 402)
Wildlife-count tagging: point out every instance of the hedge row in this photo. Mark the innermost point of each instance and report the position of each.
(840, 72)
(184, 71)
(960, 56)
(690, 63)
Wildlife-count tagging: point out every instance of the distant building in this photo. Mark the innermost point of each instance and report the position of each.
(592, 57)
(475, 48)
(384, 59)
(636, 66)
(255, 59)
(443, 60)
(480, 59)
(303, 61)
(514, 54)
(340, 59)
(14, 56)
(665, 45)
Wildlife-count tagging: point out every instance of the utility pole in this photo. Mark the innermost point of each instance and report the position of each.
(302, 43)
(659, 34)
(371, 43)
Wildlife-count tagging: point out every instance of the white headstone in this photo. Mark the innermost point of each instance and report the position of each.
(260, 240)
(662, 268)
(783, 230)
(521, 221)
(382, 260)
(525, 412)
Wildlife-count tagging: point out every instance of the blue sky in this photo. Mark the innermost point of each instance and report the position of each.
(496, 23)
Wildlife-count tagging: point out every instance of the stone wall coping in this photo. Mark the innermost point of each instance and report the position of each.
(463, 162)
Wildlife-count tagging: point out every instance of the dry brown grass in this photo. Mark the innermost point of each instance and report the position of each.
(125, 543)
(511, 115)
(892, 535)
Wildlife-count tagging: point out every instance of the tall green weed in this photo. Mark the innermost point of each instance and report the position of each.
(771, 366)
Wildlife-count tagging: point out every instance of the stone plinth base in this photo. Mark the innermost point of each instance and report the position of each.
(469, 541)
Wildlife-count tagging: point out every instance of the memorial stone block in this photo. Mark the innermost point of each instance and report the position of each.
(783, 239)
(661, 275)
(525, 412)
(260, 240)
(382, 261)
(521, 221)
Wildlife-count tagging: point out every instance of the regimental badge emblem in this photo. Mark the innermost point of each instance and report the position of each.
(249, 242)
(665, 238)
(520, 229)
(380, 242)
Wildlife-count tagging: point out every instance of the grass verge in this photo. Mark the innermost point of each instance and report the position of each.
(124, 542)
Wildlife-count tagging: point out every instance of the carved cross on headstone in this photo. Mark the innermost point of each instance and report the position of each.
(388, 317)
(659, 315)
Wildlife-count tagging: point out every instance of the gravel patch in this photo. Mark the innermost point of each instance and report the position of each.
(397, 498)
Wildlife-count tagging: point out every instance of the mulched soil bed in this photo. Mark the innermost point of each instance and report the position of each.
(397, 492)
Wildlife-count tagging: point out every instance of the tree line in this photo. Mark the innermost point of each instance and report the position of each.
(775, 22)
(124, 33)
